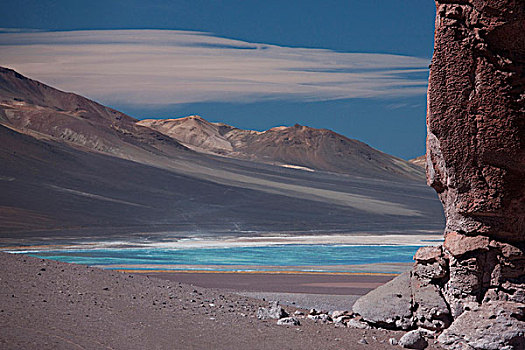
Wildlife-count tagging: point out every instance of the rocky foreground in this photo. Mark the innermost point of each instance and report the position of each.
(52, 305)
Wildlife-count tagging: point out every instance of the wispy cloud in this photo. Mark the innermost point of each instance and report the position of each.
(19, 30)
(161, 67)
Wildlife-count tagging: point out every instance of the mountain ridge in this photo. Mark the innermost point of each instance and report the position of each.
(419, 161)
(33, 107)
(298, 145)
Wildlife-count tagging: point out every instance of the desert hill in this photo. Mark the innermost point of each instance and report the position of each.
(45, 112)
(296, 146)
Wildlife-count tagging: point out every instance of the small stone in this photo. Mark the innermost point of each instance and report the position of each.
(343, 318)
(339, 324)
(289, 321)
(362, 341)
(336, 314)
(320, 317)
(413, 340)
(298, 313)
(341, 321)
(357, 324)
(275, 311)
(392, 341)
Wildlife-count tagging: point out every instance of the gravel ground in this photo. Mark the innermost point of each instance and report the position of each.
(325, 302)
(51, 305)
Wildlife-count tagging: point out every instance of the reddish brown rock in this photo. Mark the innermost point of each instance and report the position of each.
(475, 283)
(458, 244)
(476, 117)
(428, 254)
(508, 250)
(476, 160)
(430, 271)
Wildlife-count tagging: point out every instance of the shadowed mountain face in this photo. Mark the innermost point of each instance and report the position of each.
(45, 112)
(297, 146)
(72, 167)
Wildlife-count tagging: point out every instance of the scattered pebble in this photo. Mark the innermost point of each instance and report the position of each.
(289, 321)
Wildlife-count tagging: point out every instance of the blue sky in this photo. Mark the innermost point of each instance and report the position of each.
(251, 64)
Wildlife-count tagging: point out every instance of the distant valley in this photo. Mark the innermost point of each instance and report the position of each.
(74, 168)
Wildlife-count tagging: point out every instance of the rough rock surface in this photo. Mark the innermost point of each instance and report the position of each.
(475, 119)
(431, 310)
(494, 325)
(475, 149)
(388, 306)
(474, 285)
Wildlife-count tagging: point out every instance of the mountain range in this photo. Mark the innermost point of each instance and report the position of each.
(72, 167)
(295, 147)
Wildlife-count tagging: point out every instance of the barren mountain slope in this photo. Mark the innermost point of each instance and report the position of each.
(35, 108)
(50, 189)
(302, 146)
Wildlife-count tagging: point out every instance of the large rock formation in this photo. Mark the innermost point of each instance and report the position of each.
(474, 284)
(475, 147)
(476, 125)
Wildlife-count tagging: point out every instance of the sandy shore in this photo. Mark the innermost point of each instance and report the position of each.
(313, 283)
(51, 305)
(306, 290)
(375, 268)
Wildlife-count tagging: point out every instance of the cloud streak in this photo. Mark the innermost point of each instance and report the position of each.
(164, 67)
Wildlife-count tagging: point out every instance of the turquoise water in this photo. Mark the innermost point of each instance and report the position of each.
(283, 255)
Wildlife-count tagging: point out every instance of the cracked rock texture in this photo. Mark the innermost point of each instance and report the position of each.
(473, 287)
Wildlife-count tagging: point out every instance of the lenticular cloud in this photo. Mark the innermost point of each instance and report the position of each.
(164, 67)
